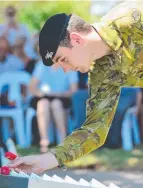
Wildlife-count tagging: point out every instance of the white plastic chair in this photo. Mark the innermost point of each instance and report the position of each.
(14, 81)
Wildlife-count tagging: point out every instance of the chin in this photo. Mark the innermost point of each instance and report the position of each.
(83, 70)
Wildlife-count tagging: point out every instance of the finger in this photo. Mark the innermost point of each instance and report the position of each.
(25, 170)
(17, 170)
(15, 163)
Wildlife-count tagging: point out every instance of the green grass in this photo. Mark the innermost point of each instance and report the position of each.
(29, 151)
(103, 159)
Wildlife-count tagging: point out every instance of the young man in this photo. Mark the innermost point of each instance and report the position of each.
(116, 44)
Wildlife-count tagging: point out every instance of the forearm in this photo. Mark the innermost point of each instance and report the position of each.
(67, 94)
(36, 92)
(73, 89)
(34, 87)
(89, 137)
(72, 148)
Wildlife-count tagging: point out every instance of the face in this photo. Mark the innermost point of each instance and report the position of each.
(18, 47)
(20, 42)
(10, 15)
(17, 50)
(77, 58)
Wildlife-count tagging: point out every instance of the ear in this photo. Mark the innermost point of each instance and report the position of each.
(76, 39)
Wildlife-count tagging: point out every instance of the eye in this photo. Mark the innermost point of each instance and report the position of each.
(63, 60)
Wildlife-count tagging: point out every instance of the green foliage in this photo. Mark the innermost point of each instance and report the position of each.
(3, 4)
(35, 13)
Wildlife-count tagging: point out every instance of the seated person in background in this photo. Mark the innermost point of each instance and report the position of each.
(8, 62)
(35, 42)
(138, 110)
(18, 50)
(52, 89)
(11, 29)
(140, 114)
(127, 99)
(130, 125)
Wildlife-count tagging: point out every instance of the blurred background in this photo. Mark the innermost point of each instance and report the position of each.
(40, 106)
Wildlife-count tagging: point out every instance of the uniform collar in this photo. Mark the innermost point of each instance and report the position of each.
(109, 35)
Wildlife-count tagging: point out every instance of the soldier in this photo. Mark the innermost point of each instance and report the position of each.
(115, 46)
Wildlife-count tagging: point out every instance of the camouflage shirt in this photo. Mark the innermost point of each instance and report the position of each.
(122, 30)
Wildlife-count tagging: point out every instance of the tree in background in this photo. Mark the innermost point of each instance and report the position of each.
(34, 13)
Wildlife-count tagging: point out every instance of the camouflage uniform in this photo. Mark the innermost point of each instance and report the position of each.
(122, 30)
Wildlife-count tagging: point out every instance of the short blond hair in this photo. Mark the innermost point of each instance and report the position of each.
(76, 24)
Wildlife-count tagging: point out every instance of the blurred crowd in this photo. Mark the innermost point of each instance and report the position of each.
(49, 88)
(56, 100)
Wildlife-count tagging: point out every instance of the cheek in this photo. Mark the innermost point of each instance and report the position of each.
(79, 58)
(76, 56)
(67, 65)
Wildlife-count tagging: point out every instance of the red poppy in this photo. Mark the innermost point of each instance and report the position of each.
(10, 156)
(5, 170)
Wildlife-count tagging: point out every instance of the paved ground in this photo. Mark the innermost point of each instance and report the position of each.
(122, 179)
